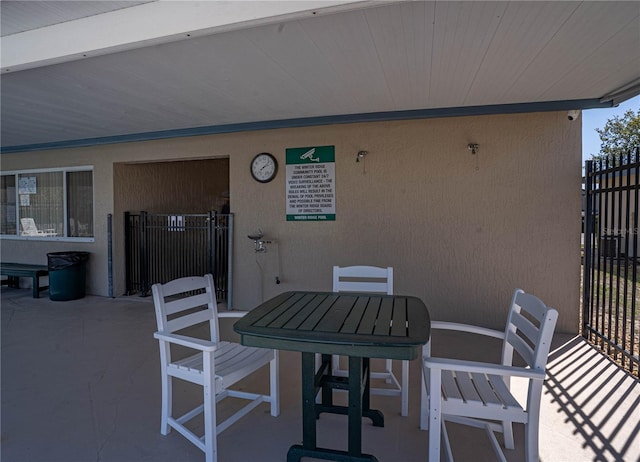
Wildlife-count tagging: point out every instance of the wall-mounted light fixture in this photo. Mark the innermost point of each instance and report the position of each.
(474, 148)
(361, 155)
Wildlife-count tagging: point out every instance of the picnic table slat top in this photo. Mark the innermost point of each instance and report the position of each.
(340, 319)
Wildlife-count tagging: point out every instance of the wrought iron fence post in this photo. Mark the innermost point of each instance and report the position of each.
(212, 223)
(110, 253)
(144, 256)
(230, 261)
(128, 252)
(588, 218)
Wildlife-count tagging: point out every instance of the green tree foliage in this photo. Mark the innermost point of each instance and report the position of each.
(619, 135)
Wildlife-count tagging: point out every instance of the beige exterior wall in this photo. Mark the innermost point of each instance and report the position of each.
(461, 231)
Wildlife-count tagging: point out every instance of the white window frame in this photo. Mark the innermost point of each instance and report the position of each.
(64, 171)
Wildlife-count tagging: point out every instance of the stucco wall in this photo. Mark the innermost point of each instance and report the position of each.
(461, 231)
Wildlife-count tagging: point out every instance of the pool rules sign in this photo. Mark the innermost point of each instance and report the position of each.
(311, 182)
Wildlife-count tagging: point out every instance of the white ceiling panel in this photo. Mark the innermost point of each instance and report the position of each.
(372, 57)
(522, 34)
(20, 16)
(401, 36)
(563, 55)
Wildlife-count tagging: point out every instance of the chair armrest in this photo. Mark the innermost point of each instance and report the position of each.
(442, 325)
(483, 368)
(231, 314)
(195, 343)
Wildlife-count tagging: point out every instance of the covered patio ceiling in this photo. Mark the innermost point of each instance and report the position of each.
(79, 73)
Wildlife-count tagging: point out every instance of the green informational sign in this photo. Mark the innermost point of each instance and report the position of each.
(311, 176)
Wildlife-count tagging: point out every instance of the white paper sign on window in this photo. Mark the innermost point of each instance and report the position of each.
(27, 185)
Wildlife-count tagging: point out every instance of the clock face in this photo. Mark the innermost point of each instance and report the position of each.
(264, 167)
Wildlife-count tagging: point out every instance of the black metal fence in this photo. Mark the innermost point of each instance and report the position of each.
(161, 247)
(611, 288)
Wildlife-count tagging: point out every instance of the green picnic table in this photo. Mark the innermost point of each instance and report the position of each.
(360, 326)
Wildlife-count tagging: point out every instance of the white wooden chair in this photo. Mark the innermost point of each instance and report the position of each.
(377, 280)
(180, 306)
(478, 394)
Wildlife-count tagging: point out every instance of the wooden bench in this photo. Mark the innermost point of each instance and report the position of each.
(14, 271)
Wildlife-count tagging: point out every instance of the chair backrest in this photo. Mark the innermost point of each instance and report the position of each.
(186, 302)
(529, 330)
(29, 227)
(363, 279)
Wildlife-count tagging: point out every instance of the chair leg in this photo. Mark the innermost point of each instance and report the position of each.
(166, 404)
(532, 425)
(274, 384)
(389, 369)
(448, 454)
(404, 385)
(335, 364)
(507, 432)
(210, 430)
(424, 401)
(435, 422)
(531, 441)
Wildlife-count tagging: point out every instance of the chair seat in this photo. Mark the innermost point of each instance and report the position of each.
(233, 362)
(479, 395)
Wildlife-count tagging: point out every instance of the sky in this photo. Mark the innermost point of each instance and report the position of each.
(597, 118)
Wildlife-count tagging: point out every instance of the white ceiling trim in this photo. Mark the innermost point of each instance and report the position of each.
(153, 23)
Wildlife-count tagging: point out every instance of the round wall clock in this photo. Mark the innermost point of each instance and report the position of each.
(264, 167)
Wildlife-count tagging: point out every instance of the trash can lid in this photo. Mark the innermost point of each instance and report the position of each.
(62, 260)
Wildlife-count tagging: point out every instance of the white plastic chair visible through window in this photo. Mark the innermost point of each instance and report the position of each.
(182, 306)
(478, 394)
(29, 228)
(376, 280)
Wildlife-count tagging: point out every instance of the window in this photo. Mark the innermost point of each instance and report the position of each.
(53, 203)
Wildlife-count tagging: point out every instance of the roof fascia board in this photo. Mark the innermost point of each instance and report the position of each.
(153, 23)
(621, 95)
(518, 108)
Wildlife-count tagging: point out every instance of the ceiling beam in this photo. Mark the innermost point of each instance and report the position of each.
(152, 23)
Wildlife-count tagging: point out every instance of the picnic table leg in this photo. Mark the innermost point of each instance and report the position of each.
(377, 417)
(355, 405)
(308, 401)
(296, 452)
(309, 440)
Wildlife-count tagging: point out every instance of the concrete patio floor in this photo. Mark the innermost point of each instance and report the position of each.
(80, 382)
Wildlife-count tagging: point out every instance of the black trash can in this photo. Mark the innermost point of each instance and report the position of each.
(67, 275)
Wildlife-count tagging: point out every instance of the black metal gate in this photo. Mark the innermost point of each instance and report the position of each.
(611, 287)
(165, 246)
